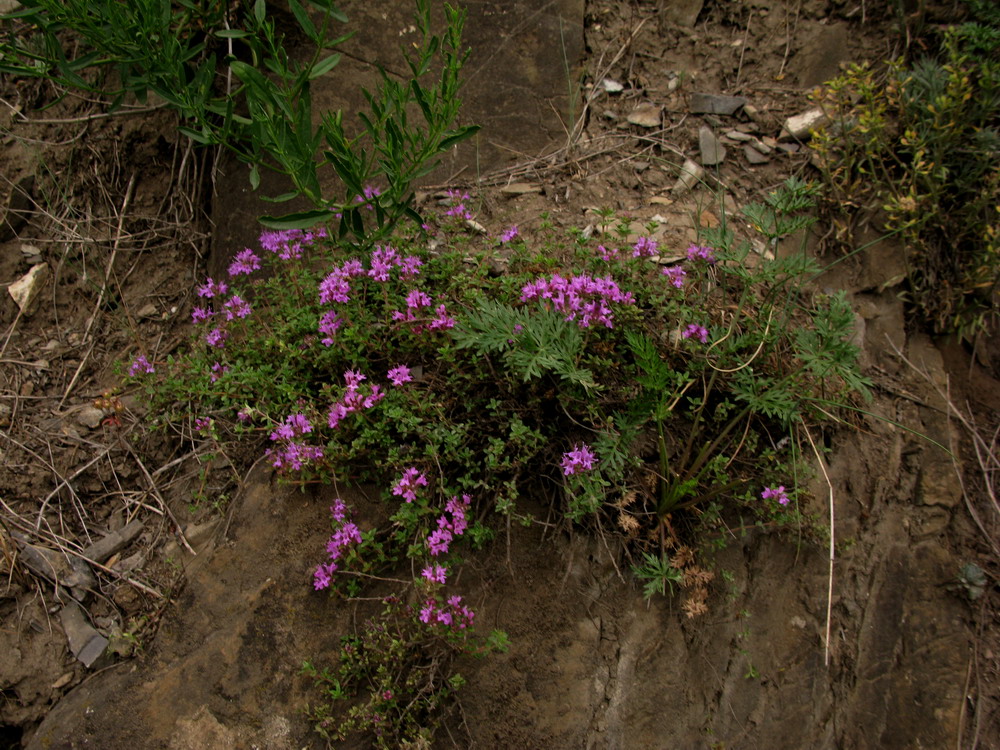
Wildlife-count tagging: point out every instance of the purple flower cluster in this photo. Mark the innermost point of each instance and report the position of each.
(329, 324)
(212, 289)
(347, 533)
(406, 487)
(608, 255)
(696, 252)
(245, 263)
(140, 365)
(583, 298)
(435, 573)
(644, 246)
(370, 193)
(581, 458)
(353, 399)
(776, 493)
(417, 304)
(216, 338)
(291, 452)
(218, 370)
(696, 331)
(676, 275)
(509, 235)
(202, 423)
(288, 244)
(236, 307)
(457, 199)
(447, 529)
(399, 375)
(452, 614)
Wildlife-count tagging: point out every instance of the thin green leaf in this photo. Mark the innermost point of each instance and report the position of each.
(300, 220)
(324, 66)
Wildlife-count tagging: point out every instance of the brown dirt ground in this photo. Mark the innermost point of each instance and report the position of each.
(207, 647)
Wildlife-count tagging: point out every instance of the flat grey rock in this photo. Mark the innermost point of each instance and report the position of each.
(716, 104)
(712, 150)
(754, 156)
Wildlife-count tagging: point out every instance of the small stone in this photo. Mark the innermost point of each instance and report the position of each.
(147, 311)
(90, 416)
(520, 188)
(769, 142)
(113, 542)
(761, 147)
(716, 104)
(612, 87)
(712, 150)
(609, 115)
(31, 254)
(801, 126)
(659, 200)
(754, 114)
(62, 681)
(788, 148)
(798, 622)
(25, 290)
(646, 116)
(86, 643)
(691, 172)
(754, 156)
(475, 226)
(737, 135)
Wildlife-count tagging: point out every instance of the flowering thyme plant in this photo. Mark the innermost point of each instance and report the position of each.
(638, 390)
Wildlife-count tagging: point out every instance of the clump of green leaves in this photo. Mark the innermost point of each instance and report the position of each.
(180, 50)
(395, 678)
(921, 142)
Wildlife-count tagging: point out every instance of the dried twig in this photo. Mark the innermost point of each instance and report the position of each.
(829, 593)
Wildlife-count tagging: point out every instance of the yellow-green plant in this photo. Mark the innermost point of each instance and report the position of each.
(921, 144)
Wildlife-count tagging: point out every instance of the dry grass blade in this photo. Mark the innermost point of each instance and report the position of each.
(829, 593)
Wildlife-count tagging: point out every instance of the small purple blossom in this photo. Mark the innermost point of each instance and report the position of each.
(217, 337)
(607, 254)
(218, 370)
(406, 487)
(236, 307)
(439, 540)
(435, 573)
(696, 331)
(776, 493)
(202, 423)
(509, 235)
(329, 324)
(581, 458)
(696, 252)
(399, 375)
(676, 275)
(644, 246)
(212, 289)
(288, 244)
(140, 365)
(582, 298)
(200, 314)
(245, 263)
(442, 321)
(243, 415)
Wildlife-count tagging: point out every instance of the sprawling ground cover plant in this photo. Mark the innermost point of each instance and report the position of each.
(657, 396)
